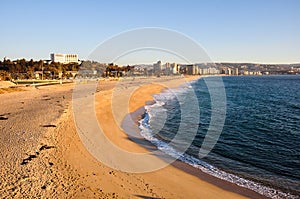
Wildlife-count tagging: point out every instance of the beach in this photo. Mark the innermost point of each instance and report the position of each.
(43, 156)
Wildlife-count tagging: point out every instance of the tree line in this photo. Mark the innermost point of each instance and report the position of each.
(116, 71)
(23, 69)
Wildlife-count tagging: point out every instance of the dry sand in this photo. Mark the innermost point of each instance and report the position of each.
(43, 157)
(8, 87)
(25, 118)
(6, 84)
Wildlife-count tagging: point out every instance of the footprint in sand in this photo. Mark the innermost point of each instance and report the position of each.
(3, 118)
(31, 157)
(46, 147)
(46, 98)
(48, 125)
(28, 159)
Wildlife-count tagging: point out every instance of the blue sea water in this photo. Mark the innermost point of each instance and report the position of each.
(259, 146)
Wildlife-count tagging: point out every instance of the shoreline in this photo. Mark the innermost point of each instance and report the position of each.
(124, 141)
(61, 167)
(226, 185)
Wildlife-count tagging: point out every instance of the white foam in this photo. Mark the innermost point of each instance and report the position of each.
(147, 133)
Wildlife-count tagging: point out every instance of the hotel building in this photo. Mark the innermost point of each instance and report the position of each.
(64, 58)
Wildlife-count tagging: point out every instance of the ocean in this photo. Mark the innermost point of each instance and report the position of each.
(259, 144)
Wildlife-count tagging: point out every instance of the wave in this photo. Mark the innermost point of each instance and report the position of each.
(146, 132)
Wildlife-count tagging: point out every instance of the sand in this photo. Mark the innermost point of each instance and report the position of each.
(8, 87)
(48, 160)
(25, 118)
(6, 84)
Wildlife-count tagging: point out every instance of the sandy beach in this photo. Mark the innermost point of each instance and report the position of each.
(43, 156)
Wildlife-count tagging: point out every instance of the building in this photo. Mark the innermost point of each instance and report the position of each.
(236, 72)
(246, 72)
(213, 71)
(64, 58)
(157, 67)
(167, 65)
(38, 74)
(204, 71)
(168, 68)
(191, 69)
(228, 71)
(175, 68)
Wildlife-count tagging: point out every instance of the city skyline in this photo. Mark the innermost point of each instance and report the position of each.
(231, 31)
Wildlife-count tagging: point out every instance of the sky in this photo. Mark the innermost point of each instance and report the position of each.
(260, 31)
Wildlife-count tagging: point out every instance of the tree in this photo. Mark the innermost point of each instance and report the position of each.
(4, 75)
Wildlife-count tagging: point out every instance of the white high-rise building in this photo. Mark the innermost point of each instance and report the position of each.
(64, 58)
(175, 68)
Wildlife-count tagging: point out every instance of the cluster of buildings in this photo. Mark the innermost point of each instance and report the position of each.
(199, 69)
(175, 69)
(91, 68)
(159, 69)
(167, 68)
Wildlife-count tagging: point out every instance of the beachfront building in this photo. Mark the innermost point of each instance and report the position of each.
(64, 58)
(236, 71)
(175, 68)
(167, 65)
(228, 71)
(168, 68)
(157, 68)
(191, 69)
(207, 71)
(213, 71)
(203, 71)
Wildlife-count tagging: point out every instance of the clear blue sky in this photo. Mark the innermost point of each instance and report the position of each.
(266, 31)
